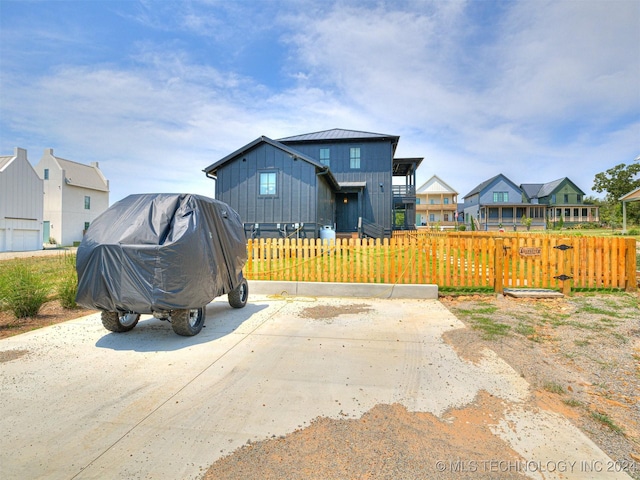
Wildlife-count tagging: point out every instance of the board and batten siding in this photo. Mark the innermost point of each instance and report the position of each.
(376, 164)
(295, 200)
(500, 185)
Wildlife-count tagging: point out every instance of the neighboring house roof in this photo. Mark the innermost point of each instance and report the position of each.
(541, 190)
(81, 175)
(486, 183)
(548, 188)
(632, 196)
(435, 185)
(531, 189)
(213, 168)
(5, 160)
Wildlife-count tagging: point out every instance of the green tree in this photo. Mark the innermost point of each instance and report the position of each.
(616, 182)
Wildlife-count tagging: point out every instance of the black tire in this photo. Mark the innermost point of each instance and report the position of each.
(239, 295)
(187, 322)
(119, 321)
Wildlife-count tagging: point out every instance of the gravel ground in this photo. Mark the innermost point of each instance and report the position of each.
(581, 355)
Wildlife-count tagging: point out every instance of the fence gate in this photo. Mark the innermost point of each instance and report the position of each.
(564, 263)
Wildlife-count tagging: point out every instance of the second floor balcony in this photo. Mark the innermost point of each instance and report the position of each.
(404, 194)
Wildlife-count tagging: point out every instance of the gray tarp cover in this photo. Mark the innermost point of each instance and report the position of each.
(162, 251)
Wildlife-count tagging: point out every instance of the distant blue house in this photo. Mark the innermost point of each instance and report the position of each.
(301, 185)
(499, 203)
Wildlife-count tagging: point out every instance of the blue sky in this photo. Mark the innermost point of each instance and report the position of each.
(157, 90)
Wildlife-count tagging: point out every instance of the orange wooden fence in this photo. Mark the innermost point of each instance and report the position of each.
(451, 260)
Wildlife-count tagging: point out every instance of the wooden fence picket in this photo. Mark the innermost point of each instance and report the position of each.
(450, 260)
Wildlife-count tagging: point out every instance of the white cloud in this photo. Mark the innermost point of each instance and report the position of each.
(527, 91)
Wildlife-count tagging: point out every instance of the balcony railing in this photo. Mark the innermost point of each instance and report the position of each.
(404, 194)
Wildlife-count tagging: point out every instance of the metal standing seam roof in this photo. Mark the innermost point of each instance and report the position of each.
(80, 175)
(531, 189)
(548, 188)
(337, 134)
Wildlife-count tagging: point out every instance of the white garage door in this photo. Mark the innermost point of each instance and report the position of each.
(25, 240)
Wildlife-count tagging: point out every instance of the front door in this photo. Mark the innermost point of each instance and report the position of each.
(46, 231)
(347, 212)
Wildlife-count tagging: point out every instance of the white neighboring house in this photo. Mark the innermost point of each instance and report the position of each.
(437, 204)
(74, 195)
(21, 204)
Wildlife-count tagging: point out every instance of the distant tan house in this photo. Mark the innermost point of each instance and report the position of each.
(436, 204)
(20, 204)
(74, 195)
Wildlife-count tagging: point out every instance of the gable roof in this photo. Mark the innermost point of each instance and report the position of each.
(80, 175)
(541, 190)
(531, 189)
(486, 183)
(5, 160)
(212, 169)
(435, 185)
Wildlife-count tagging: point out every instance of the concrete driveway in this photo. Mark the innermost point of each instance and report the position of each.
(80, 402)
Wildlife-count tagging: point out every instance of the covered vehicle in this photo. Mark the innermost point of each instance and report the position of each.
(163, 254)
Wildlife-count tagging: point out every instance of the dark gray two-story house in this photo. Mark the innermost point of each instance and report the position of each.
(300, 186)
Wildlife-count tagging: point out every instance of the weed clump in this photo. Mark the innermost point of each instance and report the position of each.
(22, 290)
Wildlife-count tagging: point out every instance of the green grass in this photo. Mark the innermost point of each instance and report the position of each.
(572, 402)
(553, 388)
(527, 330)
(481, 309)
(491, 329)
(26, 282)
(604, 419)
(480, 319)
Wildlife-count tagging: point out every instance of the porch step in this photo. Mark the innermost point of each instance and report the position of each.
(532, 293)
(346, 235)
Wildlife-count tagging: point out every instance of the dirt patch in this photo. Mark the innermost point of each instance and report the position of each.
(9, 355)
(50, 314)
(387, 442)
(581, 355)
(327, 312)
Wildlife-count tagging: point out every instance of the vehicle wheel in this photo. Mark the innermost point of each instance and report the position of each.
(238, 296)
(187, 322)
(119, 321)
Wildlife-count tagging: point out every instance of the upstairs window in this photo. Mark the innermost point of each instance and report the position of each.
(325, 156)
(354, 158)
(46, 174)
(500, 197)
(87, 203)
(268, 185)
(446, 201)
(566, 198)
